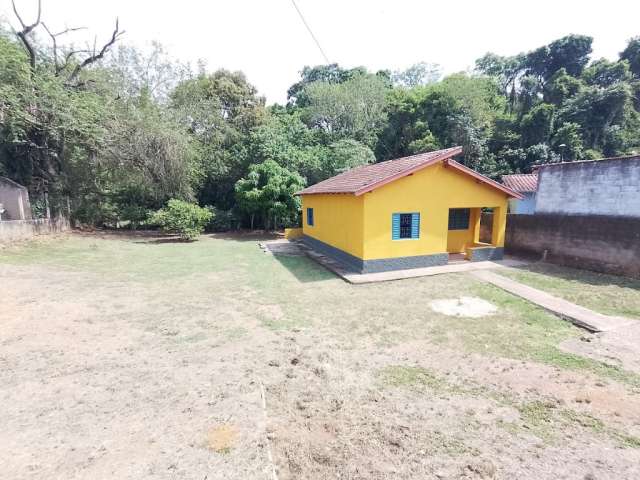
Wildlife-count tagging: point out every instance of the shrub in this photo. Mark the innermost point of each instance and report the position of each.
(183, 218)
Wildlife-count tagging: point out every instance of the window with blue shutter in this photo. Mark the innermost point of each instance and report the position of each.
(395, 227)
(405, 226)
(310, 217)
(459, 218)
(415, 225)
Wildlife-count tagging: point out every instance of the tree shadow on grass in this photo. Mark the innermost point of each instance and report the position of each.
(581, 276)
(246, 235)
(163, 240)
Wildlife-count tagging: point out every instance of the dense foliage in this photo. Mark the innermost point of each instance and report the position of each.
(123, 135)
(185, 219)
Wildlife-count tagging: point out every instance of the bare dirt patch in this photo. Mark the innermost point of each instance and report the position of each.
(469, 307)
(130, 360)
(619, 348)
(425, 412)
(223, 438)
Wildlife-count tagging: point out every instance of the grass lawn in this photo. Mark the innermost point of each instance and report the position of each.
(602, 293)
(140, 357)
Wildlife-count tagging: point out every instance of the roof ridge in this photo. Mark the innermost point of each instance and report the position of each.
(366, 178)
(363, 177)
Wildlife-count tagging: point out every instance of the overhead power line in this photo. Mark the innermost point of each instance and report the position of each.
(326, 59)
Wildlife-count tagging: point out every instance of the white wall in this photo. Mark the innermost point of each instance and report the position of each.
(607, 187)
(15, 201)
(526, 206)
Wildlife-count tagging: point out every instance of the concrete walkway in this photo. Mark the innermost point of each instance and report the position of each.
(583, 317)
(361, 278)
(464, 266)
(285, 247)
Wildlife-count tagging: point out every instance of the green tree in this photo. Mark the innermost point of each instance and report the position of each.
(604, 73)
(351, 109)
(561, 87)
(569, 136)
(268, 192)
(347, 154)
(421, 73)
(631, 53)
(285, 139)
(536, 126)
(331, 74)
(570, 52)
(219, 111)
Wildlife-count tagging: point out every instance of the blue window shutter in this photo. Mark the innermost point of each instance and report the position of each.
(415, 225)
(395, 227)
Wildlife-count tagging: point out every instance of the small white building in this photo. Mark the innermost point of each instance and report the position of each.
(527, 186)
(15, 200)
(610, 186)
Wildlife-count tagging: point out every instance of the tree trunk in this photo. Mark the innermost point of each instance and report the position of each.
(47, 208)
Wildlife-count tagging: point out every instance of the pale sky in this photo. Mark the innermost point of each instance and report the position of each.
(267, 40)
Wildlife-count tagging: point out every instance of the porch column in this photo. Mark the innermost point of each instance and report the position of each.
(499, 226)
(476, 215)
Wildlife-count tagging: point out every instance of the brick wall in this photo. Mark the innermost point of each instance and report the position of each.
(601, 243)
(605, 187)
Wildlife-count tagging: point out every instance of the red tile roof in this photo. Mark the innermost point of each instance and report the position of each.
(360, 180)
(521, 182)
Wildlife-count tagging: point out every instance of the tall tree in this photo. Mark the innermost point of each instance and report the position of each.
(59, 109)
(351, 109)
(268, 191)
(421, 73)
(219, 110)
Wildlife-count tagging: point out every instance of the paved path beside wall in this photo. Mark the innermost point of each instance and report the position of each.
(583, 317)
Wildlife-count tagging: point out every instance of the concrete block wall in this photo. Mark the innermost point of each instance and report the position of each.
(607, 244)
(604, 187)
(17, 230)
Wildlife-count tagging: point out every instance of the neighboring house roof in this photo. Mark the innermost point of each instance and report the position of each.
(523, 183)
(366, 178)
(10, 182)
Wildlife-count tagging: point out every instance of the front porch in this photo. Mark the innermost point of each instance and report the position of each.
(474, 237)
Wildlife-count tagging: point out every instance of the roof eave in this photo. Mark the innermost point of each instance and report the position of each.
(487, 180)
(404, 173)
(302, 192)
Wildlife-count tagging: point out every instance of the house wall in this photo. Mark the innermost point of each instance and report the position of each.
(430, 192)
(526, 206)
(338, 221)
(607, 187)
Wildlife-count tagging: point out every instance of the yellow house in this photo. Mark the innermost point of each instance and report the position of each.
(407, 213)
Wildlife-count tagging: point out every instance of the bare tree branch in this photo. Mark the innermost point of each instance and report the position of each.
(54, 37)
(26, 30)
(71, 53)
(94, 57)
